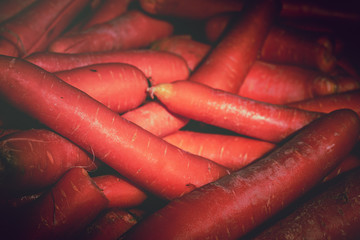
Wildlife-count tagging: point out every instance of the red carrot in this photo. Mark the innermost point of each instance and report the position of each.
(119, 191)
(106, 11)
(135, 153)
(156, 119)
(350, 162)
(9, 8)
(198, 9)
(228, 63)
(40, 24)
(216, 25)
(121, 87)
(156, 65)
(131, 30)
(63, 211)
(36, 158)
(235, 204)
(7, 48)
(281, 84)
(333, 213)
(269, 122)
(4, 131)
(233, 152)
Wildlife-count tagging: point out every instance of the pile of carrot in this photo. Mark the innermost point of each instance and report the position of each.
(178, 119)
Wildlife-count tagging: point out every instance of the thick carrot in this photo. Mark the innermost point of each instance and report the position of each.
(9, 8)
(281, 84)
(265, 121)
(230, 60)
(131, 30)
(40, 24)
(119, 191)
(158, 66)
(53, 217)
(216, 25)
(106, 11)
(235, 204)
(144, 159)
(198, 9)
(155, 118)
(121, 87)
(332, 213)
(34, 159)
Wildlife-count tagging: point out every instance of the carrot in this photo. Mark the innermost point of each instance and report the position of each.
(34, 159)
(40, 24)
(330, 103)
(233, 152)
(230, 60)
(350, 162)
(119, 191)
(198, 9)
(106, 11)
(9, 8)
(156, 119)
(281, 84)
(7, 48)
(5, 131)
(216, 25)
(131, 30)
(143, 158)
(152, 63)
(269, 122)
(332, 213)
(52, 217)
(121, 87)
(235, 204)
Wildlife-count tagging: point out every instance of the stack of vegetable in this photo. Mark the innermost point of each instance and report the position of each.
(143, 119)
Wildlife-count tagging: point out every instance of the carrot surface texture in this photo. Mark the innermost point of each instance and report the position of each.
(133, 29)
(150, 62)
(138, 155)
(235, 204)
(265, 121)
(121, 87)
(228, 63)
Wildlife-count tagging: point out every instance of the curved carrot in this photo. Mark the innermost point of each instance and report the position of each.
(135, 153)
(121, 87)
(235, 204)
(265, 121)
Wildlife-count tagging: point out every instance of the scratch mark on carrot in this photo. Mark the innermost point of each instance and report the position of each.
(49, 155)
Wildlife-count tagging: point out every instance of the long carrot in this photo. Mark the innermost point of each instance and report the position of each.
(235, 204)
(121, 87)
(230, 60)
(40, 24)
(233, 152)
(265, 121)
(34, 159)
(158, 66)
(131, 30)
(135, 153)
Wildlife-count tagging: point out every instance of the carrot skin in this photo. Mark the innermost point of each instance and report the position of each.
(8, 48)
(235, 204)
(9, 8)
(131, 30)
(265, 121)
(120, 87)
(34, 159)
(228, 63)
(350, 162)
(150, 62)
(134, 152)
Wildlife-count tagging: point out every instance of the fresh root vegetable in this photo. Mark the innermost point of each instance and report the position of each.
(7, 48)
(332, 213)
(216, 25)
(119, 86)
(145, 159)
(155, 118)
(40, 23)
(228, 63)
(331, 102)
(233, 152)
(235, 204)
(120, 192)
(133, 29)
(34, 159)
(51, 216)
(198, 9)
(158, 66)
(265, 121)
(106, 11)
(9, 8)
(7, 131)
(350, 162)
(281, 84)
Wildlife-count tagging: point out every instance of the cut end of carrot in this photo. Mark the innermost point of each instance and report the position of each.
(161, 90)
